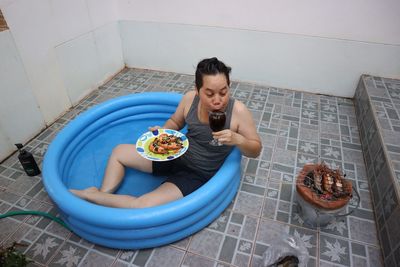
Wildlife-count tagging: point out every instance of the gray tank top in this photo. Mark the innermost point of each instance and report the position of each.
(201, 156)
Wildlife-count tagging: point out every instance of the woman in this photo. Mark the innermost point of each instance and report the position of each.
(202, 160)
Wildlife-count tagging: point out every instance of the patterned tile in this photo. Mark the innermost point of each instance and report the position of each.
(43, 249)
(334, 250)
(206, 243)
(69, 255)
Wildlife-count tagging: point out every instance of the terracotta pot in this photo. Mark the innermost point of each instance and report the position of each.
(311, 197)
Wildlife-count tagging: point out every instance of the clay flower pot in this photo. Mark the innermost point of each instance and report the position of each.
(310, 196)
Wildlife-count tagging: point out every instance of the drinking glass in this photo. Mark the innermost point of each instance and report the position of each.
(216, 120)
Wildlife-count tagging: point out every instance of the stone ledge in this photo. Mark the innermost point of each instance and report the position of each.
(377, 106)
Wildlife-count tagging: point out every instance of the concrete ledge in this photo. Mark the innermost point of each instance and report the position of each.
(377, 103)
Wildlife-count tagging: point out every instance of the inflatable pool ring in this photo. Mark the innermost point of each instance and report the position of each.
(77, 157)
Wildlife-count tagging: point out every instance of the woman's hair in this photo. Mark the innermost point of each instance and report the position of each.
(210, 66)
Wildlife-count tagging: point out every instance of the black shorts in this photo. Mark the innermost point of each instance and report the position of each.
(178, 173)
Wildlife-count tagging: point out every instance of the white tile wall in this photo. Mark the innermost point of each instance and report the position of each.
(71, 19)
(102, 12)
(20, 117)
(109, 51)
(86, 62)
(79, 66)
(6, 146)
(33, 29)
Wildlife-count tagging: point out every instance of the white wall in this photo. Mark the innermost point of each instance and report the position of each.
(362, 20)
(310, 45)
(20, 117)
(48, 38)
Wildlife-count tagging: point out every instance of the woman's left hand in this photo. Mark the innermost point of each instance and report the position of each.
(228, 137)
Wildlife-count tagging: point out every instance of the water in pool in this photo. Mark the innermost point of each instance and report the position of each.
(88, 166)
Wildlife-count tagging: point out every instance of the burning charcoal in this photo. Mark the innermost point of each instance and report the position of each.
(309, 180)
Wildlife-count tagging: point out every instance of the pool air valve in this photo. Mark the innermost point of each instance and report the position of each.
(27, 161)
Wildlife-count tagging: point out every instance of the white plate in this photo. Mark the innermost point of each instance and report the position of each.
(144, 141)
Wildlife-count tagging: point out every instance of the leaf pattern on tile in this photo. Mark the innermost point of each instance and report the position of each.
(332, 165)
(221, 219)
(259, 97)
(329, 108)
(305, 238)
(298, 218)
(249, 179)
(241, 94)
(308, 147)
(69, 258)
(255, 105)
(331, 151)
(305, 160)
(336, 225)
(272, 193)
(245, 246)
(126, 255)
(309, 114)
(353, 202)
(264, 164)
(287, 178)
(394, 94)
(41, 150)
(22, 202)
(345, 138)
(44, 248)
(283, 133)
(276, 116)
(310, 105)
(33, 219)
(335, 251)
(328, 117)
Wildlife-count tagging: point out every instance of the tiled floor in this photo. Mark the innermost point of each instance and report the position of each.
(295, 127)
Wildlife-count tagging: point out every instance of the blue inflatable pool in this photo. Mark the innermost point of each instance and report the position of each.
(77, 158)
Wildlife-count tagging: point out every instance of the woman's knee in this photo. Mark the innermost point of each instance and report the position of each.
(120, 152)
(126, 155)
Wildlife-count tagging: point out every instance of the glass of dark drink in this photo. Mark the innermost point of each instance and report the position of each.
(216, 120)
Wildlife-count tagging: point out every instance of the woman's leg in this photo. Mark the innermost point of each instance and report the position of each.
(166, 192)
(121, 156)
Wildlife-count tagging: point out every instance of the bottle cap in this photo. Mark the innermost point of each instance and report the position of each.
(19, 146)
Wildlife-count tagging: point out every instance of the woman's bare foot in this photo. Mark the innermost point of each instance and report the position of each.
(85, 192)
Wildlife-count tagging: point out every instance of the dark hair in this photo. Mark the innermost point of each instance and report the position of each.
(210, 66)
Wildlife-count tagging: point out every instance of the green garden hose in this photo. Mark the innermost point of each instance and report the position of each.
(37, 213)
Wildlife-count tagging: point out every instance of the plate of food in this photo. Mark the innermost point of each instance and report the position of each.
(162, 145)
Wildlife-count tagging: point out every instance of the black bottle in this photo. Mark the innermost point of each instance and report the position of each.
(27, 161)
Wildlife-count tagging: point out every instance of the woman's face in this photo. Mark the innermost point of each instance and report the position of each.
(214, 95)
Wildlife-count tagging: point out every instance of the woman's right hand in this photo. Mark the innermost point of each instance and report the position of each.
(153, 128)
